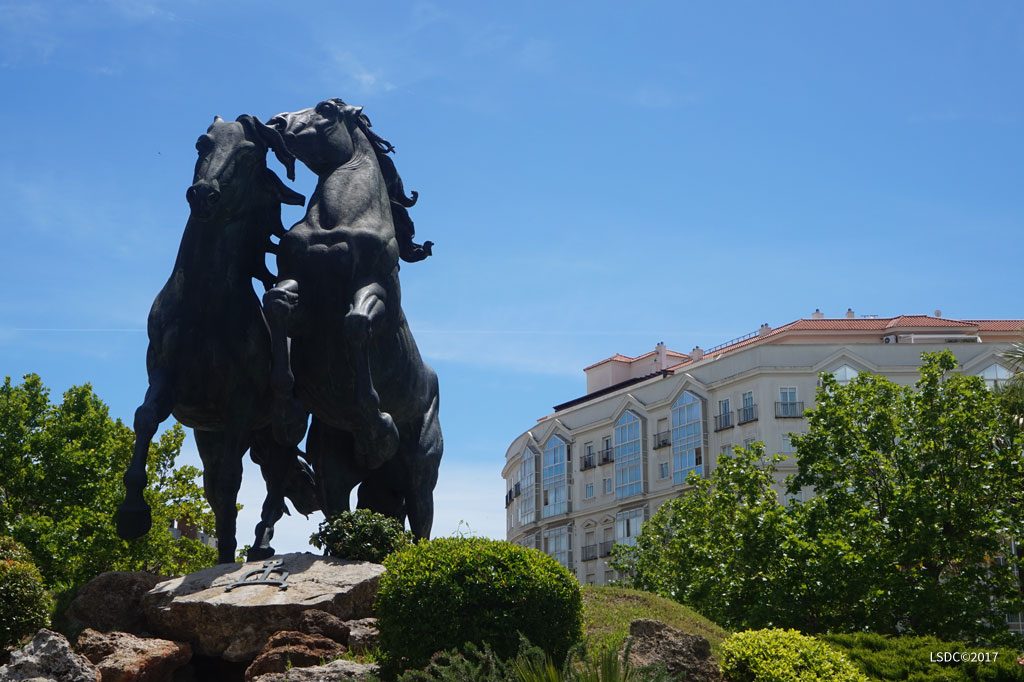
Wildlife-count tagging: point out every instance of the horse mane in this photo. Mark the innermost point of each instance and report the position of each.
(405, 230)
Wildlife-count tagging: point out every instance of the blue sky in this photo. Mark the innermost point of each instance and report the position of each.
(597, 177)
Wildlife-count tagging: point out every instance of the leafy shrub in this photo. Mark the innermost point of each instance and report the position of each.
(25, 604)
(442, 594)
(909, 658)
(784, 656)
(361, 535)
(472, 663)
(12, 550)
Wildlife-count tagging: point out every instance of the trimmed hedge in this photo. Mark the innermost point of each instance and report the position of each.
(441, 594)
(12, 550)
(784, 656)
(25, 605)
(361, 535)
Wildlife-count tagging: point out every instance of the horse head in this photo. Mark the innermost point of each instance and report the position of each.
(231, 172)
(322, 137)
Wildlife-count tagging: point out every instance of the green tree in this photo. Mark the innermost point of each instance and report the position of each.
(917, 501)
(725, 547)
(923, 485)
(60, 483)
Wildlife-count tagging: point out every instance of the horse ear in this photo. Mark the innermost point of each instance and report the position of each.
(281, 191)
(272, 138)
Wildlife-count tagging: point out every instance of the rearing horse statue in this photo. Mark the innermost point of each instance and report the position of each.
(352, 361)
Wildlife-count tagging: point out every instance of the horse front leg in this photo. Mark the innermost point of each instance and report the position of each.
(134, 517)
(279, 308)
(377, 442)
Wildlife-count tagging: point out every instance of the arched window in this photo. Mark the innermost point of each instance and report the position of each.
(687, 437)
(525, 490)
(553, 479)
(845, 374)
(995, 375)
(628, 457)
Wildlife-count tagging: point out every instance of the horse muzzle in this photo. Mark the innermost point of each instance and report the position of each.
(202, 197)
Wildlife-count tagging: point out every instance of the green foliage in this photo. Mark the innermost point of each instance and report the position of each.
(442, 594)
(784, 656)
(361, 535)
(60, 483)
(12, 550)
(917, 498)
(25, 604)
(722, 548)
(910, 658)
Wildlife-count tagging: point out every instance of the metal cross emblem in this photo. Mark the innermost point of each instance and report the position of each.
(261, 576)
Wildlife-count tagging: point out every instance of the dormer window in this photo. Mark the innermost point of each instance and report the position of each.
(845, 374)
(995, 375)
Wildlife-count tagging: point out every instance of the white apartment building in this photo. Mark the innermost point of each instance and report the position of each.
(587, 475)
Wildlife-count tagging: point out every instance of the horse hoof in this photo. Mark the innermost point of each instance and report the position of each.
(133, 520)
(259, 553)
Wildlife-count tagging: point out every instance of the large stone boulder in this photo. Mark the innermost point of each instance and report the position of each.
(335, 671)
(123, 657)
(685, 656)
(235, 624)
(289, 650)
(48, 658)
(111, 601)
(363, 635)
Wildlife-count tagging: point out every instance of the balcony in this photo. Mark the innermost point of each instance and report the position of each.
(662, 439)
(589, 552)
(723, 421)
(606, 456)
(789, 410)
(517, 490)
(587, 461)
(605, 548)
(746, 414)
(508, 499)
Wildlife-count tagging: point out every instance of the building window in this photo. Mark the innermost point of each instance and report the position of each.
(628, 455)
(558, 543)
(663, 470)
(607, 486)
(556, 492)
(589, 491)
(747, 442)
(788, 405)
(995, 376)
(525, 483)
(748, 412)
(845, 375)
(787, 445)
(627, 526)
(687, 437)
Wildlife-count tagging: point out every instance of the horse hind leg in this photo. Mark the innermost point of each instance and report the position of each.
(424, 460)
(221, 452)
(283, 473)
(134, 517)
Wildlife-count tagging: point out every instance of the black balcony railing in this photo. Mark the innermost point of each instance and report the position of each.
(589, 552)
(517, 490)
(605, 548)
(723, 421)
(789, 410)
(747, 413)
(508, 499)
(662, 439)
(587, 461)
(607, 455)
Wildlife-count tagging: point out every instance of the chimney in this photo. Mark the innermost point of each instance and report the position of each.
(938, 313)
(850, 314)
(697, 353)
(817, 314)
(660, 356)
(765, 328)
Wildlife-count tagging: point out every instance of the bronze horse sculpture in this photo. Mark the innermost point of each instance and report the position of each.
(341, 341)
(209, 355)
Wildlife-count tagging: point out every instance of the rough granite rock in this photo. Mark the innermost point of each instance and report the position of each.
(363, 635)
(317, 622)
(123, 657)
(335, 671)
(235, 625)
(48, 658)
(686, 657)
(111, 601)
(290, 650)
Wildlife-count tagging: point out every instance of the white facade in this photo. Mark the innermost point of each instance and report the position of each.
(587, 475)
